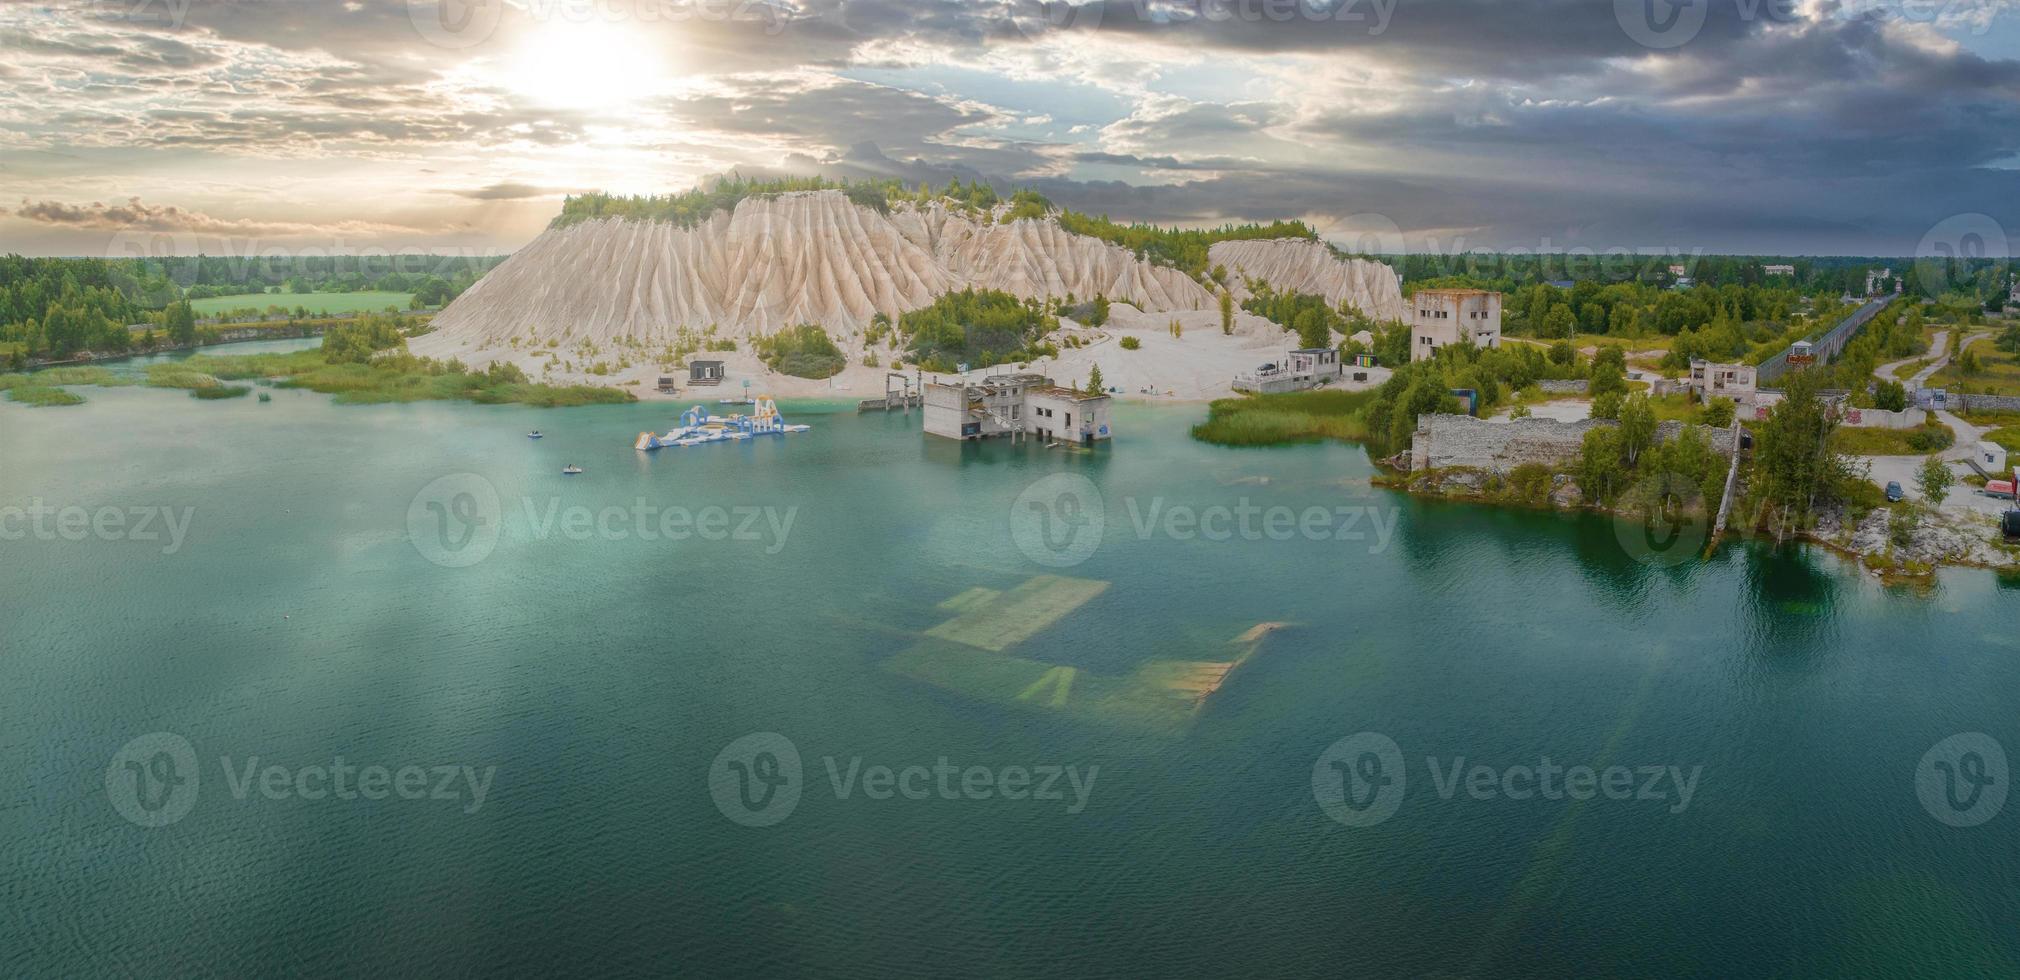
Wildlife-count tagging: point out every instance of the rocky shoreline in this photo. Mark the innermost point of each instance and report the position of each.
(1933, 539)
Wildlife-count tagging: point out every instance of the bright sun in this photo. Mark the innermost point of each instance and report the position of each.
(584, 66)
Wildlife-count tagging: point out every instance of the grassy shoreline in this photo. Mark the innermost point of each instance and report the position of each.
(398, 378)
(393, 376)
(1285, 419)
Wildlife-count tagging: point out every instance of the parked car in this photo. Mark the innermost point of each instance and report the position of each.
(1894, 493)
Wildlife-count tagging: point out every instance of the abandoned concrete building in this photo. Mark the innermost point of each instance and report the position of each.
(1306, 367)
(1013, 404)
(1714, 380)
(1453, 316)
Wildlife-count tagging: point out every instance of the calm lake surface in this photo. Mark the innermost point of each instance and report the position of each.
(344, 585)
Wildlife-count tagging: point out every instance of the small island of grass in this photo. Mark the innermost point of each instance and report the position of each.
(40, 396)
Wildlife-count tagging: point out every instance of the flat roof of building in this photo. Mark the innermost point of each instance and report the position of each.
(1455, 292)
(1054, 391)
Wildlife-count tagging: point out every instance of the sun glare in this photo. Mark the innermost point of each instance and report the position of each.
(584, 66)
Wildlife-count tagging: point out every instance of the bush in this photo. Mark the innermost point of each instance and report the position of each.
(1131, 343)
(1930, 438)
(978, 327)
(1529, 483)
(803, 351)
(1901, 526)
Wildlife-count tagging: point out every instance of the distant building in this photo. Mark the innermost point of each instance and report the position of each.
(1779, 270)
(1735, 381)
(704, 372)
(1009, 404)
(1677, 270)
(1684, 282)
(1306, 367)
(1878, 280)
(1451, 316)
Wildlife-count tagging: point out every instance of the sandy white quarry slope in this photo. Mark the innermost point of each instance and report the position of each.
(1302, 266)
(815, 257)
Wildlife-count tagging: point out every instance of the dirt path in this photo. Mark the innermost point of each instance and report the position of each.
(1886, 372)
(1902, 468)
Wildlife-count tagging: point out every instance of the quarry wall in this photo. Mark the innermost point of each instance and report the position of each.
(1461, 440)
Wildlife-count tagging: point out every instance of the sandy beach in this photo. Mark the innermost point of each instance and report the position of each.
(1198, 365)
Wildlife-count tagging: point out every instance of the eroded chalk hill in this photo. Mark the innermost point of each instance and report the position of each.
(1297, 265)
(817, 257)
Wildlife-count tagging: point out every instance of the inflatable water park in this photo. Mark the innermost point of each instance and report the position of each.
(697, 427)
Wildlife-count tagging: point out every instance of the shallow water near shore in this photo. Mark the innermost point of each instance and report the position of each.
(877, 599)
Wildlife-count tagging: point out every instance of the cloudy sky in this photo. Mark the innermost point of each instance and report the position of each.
(1795, 126)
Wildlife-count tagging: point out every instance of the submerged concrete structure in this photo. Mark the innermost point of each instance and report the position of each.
(1014, 404)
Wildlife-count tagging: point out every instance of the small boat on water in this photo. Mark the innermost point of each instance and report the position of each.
(535, 434)
(570, 470)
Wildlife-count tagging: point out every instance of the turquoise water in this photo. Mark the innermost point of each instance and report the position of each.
(597, 677)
